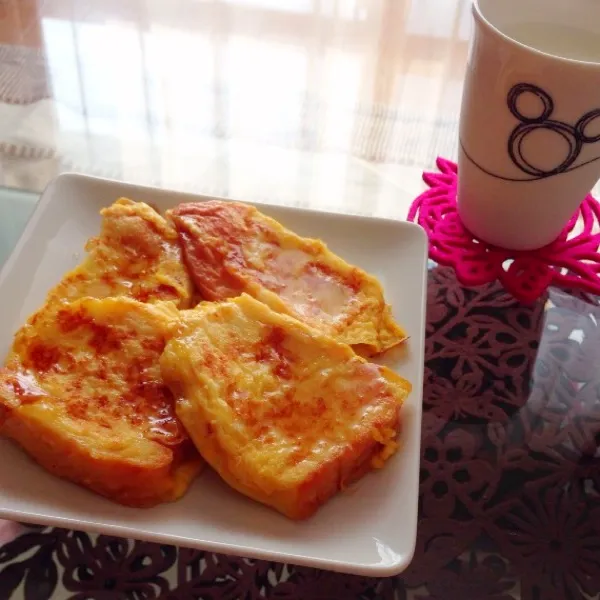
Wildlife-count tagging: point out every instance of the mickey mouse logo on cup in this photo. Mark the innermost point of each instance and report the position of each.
(574, 135)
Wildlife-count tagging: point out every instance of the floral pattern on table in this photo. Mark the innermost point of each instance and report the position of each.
(510, 479)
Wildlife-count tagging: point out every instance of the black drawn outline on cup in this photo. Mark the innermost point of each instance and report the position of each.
(574, 135)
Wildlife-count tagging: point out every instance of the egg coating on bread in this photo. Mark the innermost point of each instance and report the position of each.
(284, 413)
(83, 394)
(137, 254)
(232, 248)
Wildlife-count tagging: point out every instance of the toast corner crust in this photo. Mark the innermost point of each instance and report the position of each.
(136, 255)
(286, 415)
(82, 394)
(232, 248)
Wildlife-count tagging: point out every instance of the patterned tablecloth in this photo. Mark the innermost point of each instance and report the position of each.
(509, 499)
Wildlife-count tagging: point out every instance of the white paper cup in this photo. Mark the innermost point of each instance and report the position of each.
(530, 119)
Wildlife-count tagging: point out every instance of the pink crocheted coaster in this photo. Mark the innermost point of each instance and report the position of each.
(572, 260)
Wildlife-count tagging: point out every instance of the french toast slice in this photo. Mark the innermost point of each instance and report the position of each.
(83, 395)
(137, 255)
(284, 413)
(231, 248)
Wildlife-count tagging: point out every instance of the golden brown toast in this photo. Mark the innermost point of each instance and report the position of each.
(82, 393)
(231, 248)
(137, 255)
(285, 414)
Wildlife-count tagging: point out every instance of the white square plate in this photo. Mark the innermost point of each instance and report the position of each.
(369, 530)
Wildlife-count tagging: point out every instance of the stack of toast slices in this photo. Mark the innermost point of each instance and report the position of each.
(210, 335)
